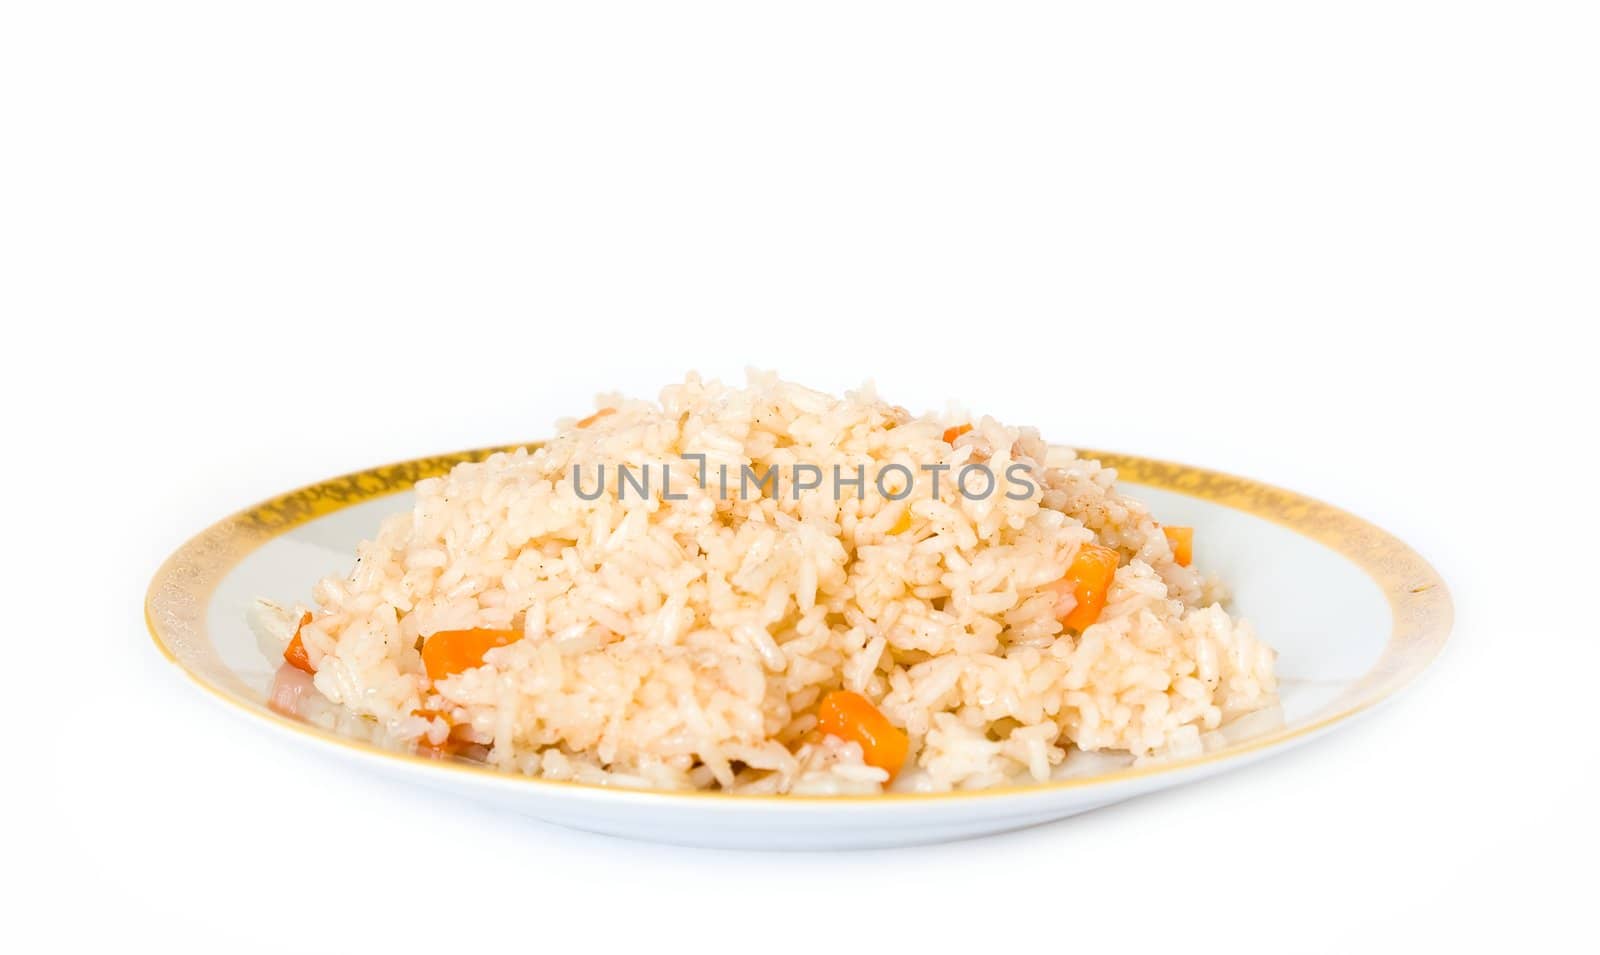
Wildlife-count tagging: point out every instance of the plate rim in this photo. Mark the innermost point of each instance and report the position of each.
(1421, 614)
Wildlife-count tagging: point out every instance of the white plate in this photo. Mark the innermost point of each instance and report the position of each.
(1353, 613)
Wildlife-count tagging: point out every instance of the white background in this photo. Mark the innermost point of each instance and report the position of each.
(1347, 248)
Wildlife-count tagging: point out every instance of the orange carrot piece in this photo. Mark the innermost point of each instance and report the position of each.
(951, 434)
(1182, 541)
(902, 523)
(1090, 578)
(450, 746)
(449, 652)
(295, 653)
(852, 718)
(586, 422)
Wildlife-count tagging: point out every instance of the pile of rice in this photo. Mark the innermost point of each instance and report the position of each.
(685, 644)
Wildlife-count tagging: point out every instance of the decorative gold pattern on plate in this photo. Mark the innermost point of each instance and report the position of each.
(1417, 596)
(175, 606)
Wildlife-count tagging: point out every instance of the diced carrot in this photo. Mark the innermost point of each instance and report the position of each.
(852, 718)
(449, 652)
(951, 434)
(586, 422)
(903, 523)
(1090, 578)
(295, 653)
(449, 746)
(1182, 541)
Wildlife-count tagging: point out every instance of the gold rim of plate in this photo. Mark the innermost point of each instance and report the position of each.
(1419, 603)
